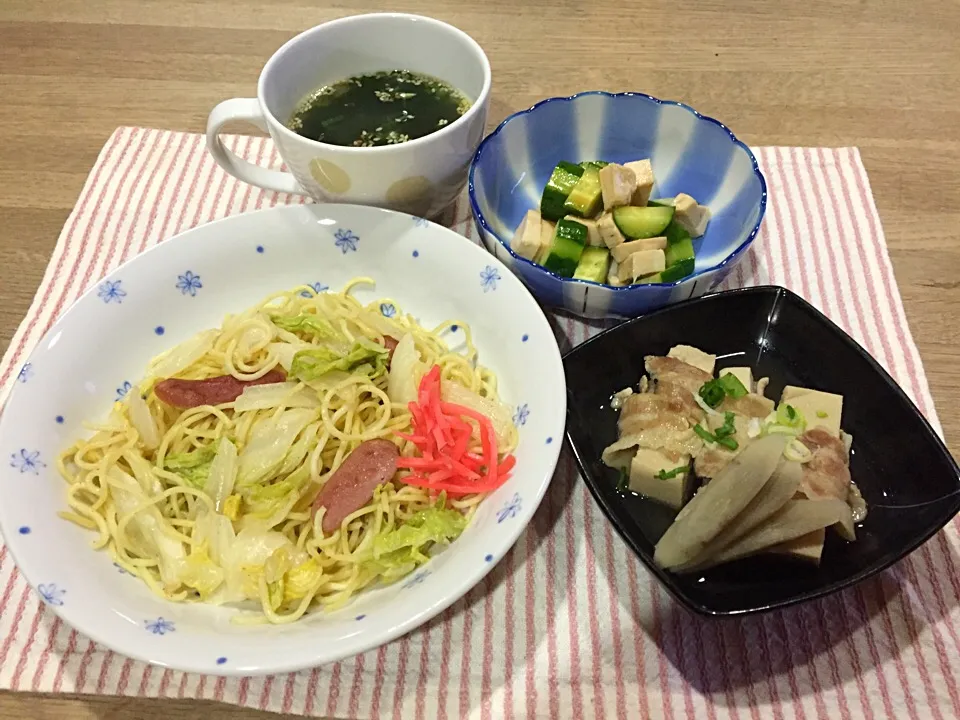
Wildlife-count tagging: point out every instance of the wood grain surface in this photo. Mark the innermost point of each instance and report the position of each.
(883, 75)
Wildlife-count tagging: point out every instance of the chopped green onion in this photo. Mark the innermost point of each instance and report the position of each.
(732, 386)
(623, 482)
(821, 414)
(712, 393)
(728, 428)
(669, 474)
(724, 440)
(728, 442)
(704, 435)
(790, 417)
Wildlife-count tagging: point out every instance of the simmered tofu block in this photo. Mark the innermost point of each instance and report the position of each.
(643, 171)
(617, 184)
(641, 263)
(820, 409)
(656, 476)
(691, 216)
(694, 356)
(624, 250)
(807, 547)
(610, 234)
(526, 241)
(743, 374)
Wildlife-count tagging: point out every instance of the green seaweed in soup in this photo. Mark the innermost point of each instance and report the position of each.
(382, 108)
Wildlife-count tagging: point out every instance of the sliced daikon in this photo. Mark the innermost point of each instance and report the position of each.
(719, 503)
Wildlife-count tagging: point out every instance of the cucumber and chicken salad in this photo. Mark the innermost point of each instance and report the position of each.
(597, 222)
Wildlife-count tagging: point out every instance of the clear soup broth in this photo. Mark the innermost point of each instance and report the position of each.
(383, 108)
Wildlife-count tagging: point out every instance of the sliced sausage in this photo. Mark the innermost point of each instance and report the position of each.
(212, 391)
(373, 463)
(390, 344)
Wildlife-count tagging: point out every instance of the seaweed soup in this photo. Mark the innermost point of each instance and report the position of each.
(382, 108)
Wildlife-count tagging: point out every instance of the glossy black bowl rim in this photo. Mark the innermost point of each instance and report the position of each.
(951, 502)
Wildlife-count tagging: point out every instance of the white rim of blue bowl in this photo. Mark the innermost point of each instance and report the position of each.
(623, 288)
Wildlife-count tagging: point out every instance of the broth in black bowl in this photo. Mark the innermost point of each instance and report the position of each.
(382, 108)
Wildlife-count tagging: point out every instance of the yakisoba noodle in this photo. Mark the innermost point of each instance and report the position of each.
(135, 487)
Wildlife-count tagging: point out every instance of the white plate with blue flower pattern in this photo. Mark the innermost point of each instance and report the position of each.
(191, 282)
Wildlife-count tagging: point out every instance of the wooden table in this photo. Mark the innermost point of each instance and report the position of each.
(883, 75)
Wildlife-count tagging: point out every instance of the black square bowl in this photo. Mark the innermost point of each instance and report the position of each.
(907, 476)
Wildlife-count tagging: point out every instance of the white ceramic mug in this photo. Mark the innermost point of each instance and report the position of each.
(421, 176)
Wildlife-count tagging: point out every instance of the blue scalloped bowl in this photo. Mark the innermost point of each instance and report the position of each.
(690, 153)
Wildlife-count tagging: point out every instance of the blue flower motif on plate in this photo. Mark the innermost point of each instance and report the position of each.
(317, 289)
(188, 283)
(121, 569)
(159, 626)
(489, 277)
(26, 461)
(419, 221)
(26, 372)
(51, 594)
(388, 309)
(416, 579)
(521, 415)
(110, 291)
(346, 240)
(510, 508)
(123, 390)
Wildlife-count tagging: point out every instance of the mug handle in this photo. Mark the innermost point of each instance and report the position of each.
(245, 109)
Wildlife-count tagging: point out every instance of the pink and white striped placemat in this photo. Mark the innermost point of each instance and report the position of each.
(569, 624)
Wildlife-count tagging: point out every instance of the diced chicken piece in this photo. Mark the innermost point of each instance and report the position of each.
(807, 547)
(593, 233)
(820, 409)
(617, 184)
(624, 250)
(641, 263)
(676, 372)
(694, 356)
(750, 405)
(827, 473)
(645, 470)
(690, 216)
(526, 241)
(643, 171)
(743, 374)
(609, 232)
(547, 229)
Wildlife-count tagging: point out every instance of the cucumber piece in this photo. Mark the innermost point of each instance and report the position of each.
(566, 248)
(562, 180)
(678, 271)
(594, 264)
(676, 233)
(638, 223)
(678, 251)
(584, 199)
(662, 202)
(595, 164)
